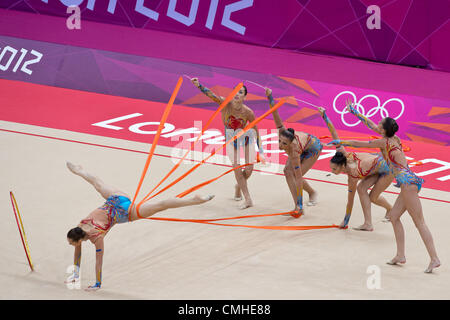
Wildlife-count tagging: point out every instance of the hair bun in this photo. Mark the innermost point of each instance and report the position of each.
(390, 126)
(339, 158)
(289, 133)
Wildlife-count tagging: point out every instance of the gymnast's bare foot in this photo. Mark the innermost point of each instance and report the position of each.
(364, 227)
(433, 264)
(312, 198)
(247, 204)
(397, 260)
(76, 169)
(387, 217)
(237, 193)
(202, 199)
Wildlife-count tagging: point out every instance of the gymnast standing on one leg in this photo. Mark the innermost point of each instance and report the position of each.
(410, 184)
(303, 150)
(235, 117)
(115, 210)
(369, 169)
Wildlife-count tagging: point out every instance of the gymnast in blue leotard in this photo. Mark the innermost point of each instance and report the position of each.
(117, 209)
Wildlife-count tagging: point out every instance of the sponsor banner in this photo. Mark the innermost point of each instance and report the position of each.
(413, 33)
(137, 120)
(420, 119)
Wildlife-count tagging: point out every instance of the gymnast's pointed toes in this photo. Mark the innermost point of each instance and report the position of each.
(70, 165)
(76, 169)
(208, 197)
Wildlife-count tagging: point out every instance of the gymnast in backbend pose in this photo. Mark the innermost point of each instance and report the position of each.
(370, 169)
(303, 150)
(115, 210)
(235, 117)
(410, 184)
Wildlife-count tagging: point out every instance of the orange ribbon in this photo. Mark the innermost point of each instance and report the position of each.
(200, 185)
(208, 123)
(212, 222)
(247, 128)
(155, 141)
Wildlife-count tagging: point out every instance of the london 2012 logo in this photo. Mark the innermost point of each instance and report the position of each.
(187, 20)
(358, 104)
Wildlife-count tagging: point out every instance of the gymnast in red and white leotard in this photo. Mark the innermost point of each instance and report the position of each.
(235, 116)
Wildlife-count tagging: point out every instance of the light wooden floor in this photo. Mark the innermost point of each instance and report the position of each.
(167, 260)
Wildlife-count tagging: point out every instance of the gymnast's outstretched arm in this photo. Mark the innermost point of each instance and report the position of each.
(77, 259)
(298, 181)
(76, 263)
(369, 123)
(207, 91)
(379, 143)
(250, 118)
(276, 116)
(330, 125)
(99, 248)
(352, 182)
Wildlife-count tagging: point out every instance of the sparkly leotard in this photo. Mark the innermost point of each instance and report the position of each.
(377, 166)
(403, 174)
(101, 220)
(312, 147)
(232, 125)
(235, 123)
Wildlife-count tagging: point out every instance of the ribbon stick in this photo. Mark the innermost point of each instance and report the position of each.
(351, 138)
(313, 105)
(155, 140)
(256, 84)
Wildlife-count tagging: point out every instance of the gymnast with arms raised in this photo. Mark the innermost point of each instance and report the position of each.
(303, 150)
(235, 116)
(370, 169)
(410, 184)
(115, 210)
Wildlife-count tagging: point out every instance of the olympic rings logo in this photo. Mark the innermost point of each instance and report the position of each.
(358, 105)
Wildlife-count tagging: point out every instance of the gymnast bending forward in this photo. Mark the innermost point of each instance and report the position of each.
(303, 150)
(364, 170)
(115, 210)
(410, 184)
